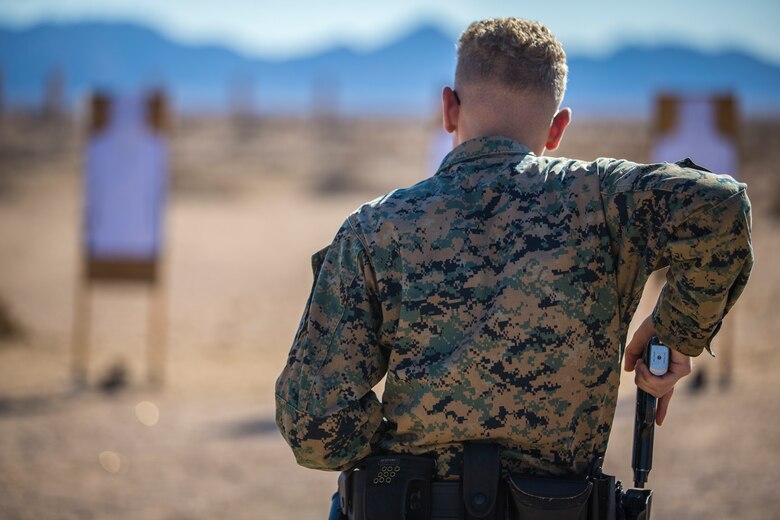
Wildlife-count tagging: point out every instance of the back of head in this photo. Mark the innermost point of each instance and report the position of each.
(516, 54)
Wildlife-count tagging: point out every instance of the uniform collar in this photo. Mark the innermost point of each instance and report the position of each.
(480, 147)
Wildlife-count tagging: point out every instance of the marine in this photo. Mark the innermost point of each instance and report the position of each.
(495, 296)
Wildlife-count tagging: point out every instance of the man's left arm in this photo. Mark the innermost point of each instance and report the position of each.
(696, 223)
(325, 408)
(699, 225)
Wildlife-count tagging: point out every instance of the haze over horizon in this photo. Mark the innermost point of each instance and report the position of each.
(402, 77)
(268, 30)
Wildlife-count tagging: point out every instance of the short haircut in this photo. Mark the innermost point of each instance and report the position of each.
(516, 53)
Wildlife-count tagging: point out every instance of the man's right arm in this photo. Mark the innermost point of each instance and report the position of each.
(325, 408)
(693, 221)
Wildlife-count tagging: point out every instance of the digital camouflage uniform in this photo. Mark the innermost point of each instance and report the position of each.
(496, 296)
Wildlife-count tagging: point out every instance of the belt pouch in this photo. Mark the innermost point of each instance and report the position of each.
(535, 498)
(481, 477)
(392, 487)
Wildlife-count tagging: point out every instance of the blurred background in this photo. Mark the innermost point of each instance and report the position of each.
(136, 378)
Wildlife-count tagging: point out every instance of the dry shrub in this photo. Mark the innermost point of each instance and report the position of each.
(9, 327)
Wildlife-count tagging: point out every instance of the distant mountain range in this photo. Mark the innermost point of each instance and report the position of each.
(402, 78)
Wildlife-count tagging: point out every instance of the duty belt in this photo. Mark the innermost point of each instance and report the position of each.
(401, 487)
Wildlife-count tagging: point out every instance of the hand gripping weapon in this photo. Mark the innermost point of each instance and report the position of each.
(636, 502)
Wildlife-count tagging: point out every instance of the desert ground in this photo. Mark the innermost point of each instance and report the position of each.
(249, 204)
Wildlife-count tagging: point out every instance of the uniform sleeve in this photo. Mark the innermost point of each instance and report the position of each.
(693, 221)
(325, 407)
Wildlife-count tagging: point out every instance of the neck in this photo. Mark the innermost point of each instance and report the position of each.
(532, 142)
(486, 111)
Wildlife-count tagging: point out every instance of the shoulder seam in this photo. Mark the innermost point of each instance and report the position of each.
(357, 233)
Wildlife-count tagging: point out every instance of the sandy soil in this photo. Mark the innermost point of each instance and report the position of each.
(247, 210)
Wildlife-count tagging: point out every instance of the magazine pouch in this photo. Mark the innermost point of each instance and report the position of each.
(535, 498)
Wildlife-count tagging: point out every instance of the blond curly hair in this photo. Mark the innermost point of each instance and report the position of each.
(516, 53)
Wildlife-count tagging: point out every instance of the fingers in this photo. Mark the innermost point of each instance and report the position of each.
(661, 387)
(663, 407)
(656, 386)
(631, 357)
(637, 345)
(647, 381)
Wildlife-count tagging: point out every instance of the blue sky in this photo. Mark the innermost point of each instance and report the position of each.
(281, 29)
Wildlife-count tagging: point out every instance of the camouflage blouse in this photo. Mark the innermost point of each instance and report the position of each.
(496, 297)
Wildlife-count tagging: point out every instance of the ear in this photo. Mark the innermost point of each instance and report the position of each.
(450, 109)
(558, 126)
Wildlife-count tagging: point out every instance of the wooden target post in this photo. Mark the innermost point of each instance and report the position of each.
(704, 128)
(125, 191)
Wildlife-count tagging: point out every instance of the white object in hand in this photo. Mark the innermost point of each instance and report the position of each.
(659, 359)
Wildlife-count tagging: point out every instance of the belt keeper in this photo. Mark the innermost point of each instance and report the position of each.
(481, 477)
(344, 491)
